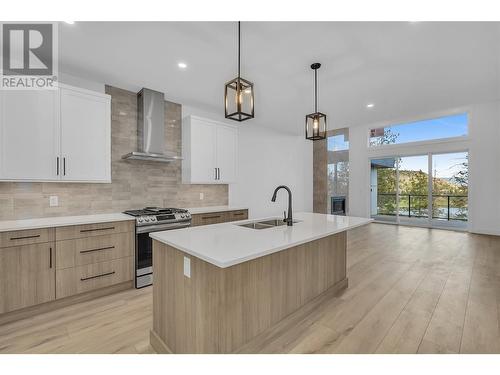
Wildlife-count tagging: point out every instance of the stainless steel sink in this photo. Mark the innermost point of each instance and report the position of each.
(264, 224)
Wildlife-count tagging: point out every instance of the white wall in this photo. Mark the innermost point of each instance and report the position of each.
(483, 144)
(267, 159)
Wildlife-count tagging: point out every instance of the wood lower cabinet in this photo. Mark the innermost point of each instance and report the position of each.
(93, 256)
(48, 264)
(218, 217)
(90, 230)
(82, 251)
(76, 280)
(27, 276)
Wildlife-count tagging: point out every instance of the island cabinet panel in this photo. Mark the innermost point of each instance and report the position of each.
(218, 310)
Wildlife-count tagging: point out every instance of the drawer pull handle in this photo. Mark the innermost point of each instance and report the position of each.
(239, 214)
(24, 237)
(96, 276)
(211, 217)
(91, 230)
(101, 248)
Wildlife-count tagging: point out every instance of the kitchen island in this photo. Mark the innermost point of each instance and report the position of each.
(216, 287)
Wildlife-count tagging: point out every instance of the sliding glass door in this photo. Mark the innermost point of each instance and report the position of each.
(450, 189)
(426, 190)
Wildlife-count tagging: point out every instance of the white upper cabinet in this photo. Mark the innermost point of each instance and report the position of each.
(85, 136)
(226, 155)
(209, 149)
(29, 135)
(55, 135)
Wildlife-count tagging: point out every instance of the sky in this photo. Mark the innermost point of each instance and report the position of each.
(443, 127)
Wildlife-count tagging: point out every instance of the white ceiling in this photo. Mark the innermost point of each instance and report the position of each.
(404, 68)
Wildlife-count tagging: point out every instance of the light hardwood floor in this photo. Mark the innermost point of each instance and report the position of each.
(411, 290)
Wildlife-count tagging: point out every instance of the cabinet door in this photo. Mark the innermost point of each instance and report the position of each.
(27, 276)
(203, 141)
(29, 135)
(85, 136)
(227, 138)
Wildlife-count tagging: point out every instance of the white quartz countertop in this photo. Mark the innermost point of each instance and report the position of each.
(61, 221)
(205, 210)
(227, 244)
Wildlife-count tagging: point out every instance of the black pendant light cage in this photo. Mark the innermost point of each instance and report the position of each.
(315, 122)
(239, 94)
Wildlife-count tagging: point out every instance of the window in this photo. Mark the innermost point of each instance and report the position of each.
(338, 171)
(425, 130)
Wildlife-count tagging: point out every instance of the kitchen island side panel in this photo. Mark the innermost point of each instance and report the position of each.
(217, 310)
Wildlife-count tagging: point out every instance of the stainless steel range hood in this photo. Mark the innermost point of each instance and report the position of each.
(151, 129)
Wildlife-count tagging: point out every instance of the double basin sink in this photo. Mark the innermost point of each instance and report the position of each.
(265, 224)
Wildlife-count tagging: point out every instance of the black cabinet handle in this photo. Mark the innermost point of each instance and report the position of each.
(24, 237)
(92, 250)
(57, 166)
(215, 169)
(96, 276)
(64, 166)
(50, 257)
(92, 230)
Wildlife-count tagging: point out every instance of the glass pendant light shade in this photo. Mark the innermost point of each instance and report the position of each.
(316, 126)
(239, 95)
(238, 98)
(316, 122)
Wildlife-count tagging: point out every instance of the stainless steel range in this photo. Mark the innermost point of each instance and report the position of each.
(147, 220)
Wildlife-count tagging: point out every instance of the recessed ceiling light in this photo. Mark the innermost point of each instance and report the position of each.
(182, 65)
(70, 22)
(370, 105)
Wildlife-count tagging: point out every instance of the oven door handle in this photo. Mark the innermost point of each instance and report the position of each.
(160, 227)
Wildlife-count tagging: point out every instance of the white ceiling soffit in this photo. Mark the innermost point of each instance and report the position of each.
(404, 68)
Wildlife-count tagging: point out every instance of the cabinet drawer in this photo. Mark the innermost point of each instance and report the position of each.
(208, 218)
(71, 281)
(82, 251)
(237, 215)
(26, 237)
(90, 230)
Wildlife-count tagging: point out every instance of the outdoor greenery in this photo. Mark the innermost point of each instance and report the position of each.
(413, 190)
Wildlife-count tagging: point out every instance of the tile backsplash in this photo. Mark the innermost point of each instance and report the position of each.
(135, 184)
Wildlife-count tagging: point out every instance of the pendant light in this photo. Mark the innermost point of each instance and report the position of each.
(315, 122)
(238, 94)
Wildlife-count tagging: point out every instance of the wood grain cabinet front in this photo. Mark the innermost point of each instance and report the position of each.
(27, 276)
(82, 251)
(90, 230)
(76, 280)
(26, 237)
(208, 218)
(237, 215)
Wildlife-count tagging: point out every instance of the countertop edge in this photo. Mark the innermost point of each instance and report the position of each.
(256, 255)
(61, 221)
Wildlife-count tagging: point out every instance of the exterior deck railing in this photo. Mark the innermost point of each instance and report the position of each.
(415, 211)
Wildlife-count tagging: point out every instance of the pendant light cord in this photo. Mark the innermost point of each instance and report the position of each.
(315, 90)
(239, 52)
